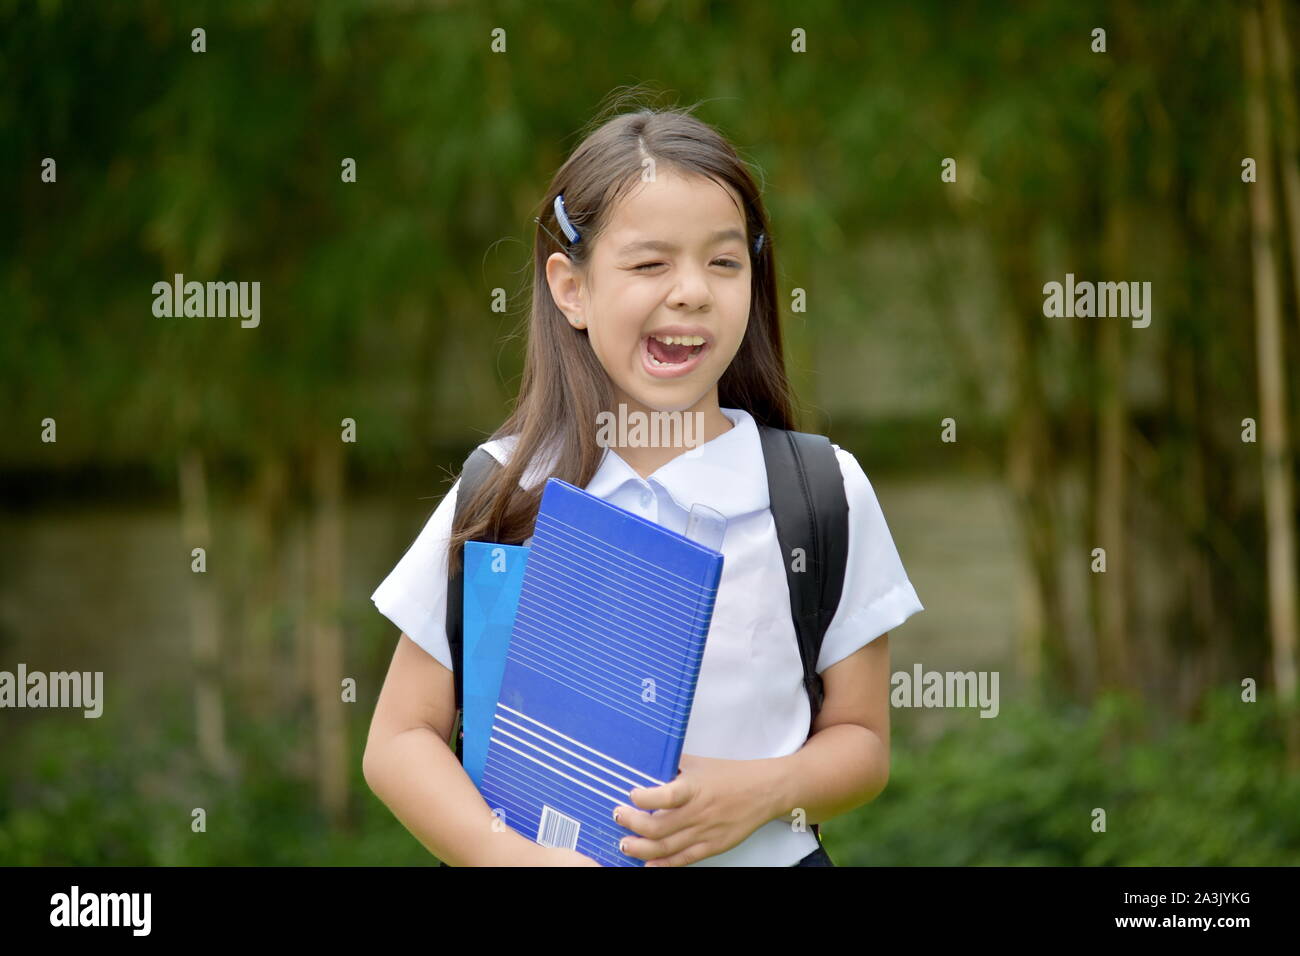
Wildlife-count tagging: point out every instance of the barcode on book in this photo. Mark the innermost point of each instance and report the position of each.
(556, 829)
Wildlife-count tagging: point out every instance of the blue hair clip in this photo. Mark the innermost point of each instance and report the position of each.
(572, 234)
(562, 217)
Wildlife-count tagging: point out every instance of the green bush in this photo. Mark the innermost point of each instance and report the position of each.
(1018, 789)
(1021, 788)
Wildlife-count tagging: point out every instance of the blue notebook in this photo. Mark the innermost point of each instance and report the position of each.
(601, 671)
(494, 573)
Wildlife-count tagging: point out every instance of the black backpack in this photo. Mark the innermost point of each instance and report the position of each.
(810, 511)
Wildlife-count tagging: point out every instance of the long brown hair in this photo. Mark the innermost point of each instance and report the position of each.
(564, 386)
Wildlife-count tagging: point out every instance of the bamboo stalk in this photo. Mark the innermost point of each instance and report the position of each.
(205, 628)
(265, 585)
(1114, 667)
(1275, 454)
(1288, 129)
(326, 634)
(1032, 472)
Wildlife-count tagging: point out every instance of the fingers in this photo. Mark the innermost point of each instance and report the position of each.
(651, 833)
(669, 795)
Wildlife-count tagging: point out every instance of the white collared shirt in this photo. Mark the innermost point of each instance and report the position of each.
(750, 702)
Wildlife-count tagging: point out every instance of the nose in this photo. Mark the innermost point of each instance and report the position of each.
(692, 290)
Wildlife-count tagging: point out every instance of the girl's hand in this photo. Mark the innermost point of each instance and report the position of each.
(713, 805)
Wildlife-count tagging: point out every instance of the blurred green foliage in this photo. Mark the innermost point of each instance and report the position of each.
(1018, 789)
(1021, 791)
(375, 305)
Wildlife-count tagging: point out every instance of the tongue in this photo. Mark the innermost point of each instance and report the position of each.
(674, 354)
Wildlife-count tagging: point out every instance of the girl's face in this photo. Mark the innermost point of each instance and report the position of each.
(673, 261)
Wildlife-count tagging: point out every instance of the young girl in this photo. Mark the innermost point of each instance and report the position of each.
(659, 234)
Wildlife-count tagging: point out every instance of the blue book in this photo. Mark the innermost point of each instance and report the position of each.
(494, 573)
(601, 671)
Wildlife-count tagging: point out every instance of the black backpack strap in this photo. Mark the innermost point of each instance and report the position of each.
(477, 467)
(811, 512)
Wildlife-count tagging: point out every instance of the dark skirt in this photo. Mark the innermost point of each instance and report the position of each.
(818, 857)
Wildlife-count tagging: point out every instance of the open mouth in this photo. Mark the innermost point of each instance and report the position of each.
(669, 359)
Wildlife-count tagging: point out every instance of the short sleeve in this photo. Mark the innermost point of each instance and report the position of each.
(414, 595)
(877, 595)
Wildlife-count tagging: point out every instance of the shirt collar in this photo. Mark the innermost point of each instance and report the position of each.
(727, 473)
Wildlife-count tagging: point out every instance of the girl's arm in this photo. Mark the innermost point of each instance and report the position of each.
(410, 765)
(845, 762)
(714, 804)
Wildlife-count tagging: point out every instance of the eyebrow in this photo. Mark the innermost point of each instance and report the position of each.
(660, 245)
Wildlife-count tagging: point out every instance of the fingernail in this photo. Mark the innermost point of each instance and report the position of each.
(620, 845)
(616, 819)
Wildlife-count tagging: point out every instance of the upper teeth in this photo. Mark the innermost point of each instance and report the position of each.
(680, 339)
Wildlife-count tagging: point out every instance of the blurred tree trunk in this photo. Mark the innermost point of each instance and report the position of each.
(295, 686)
(1288, 130)
(205, 624)
(326, 638)
(1276, 458)
(1206, 523)
(1031, 466)
(1113, 659)
(258, 662)
(1200, 651)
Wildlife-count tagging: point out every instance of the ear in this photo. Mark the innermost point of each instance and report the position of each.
(566, 288)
